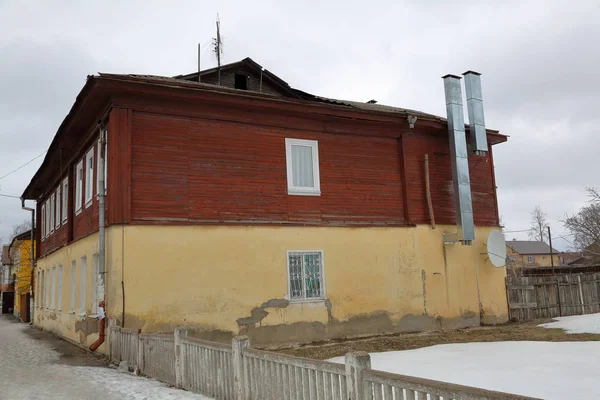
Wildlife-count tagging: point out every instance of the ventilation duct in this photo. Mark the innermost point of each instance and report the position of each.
(479, 144)
(460, 163)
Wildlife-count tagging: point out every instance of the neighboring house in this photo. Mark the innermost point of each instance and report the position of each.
(568, 258)
(20, 253)
(281, 215)
(530, 254)
(7, 282)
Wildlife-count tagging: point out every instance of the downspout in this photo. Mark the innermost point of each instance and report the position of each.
(32, 280)
(101, 236)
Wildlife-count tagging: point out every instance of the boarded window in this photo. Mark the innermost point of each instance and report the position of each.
(73, 285)
(60, 288)
(53, 297)
(305, 271)
(82, 286)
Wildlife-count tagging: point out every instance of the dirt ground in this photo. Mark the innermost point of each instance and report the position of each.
(525, 331)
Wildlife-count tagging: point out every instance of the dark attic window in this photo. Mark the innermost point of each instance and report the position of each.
(241, 82)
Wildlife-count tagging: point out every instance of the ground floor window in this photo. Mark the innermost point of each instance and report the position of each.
(305, 272)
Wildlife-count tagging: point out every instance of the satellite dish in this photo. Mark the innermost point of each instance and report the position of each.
(496, 248)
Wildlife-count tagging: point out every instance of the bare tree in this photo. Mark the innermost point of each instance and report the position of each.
(20, 228)
(585, 225)
(538, 225)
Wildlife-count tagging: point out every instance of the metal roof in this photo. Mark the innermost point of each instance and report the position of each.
(530, 247)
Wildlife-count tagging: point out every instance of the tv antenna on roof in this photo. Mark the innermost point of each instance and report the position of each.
(218, 49)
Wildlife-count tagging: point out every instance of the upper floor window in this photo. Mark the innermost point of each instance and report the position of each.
(43, 219)
(302, 160)
(58, 196)
(65, 199)
(89, 177)
(47, 217)
(305, 272)
(102, 154)
(78, 186)
(530, 259)
(52, 207)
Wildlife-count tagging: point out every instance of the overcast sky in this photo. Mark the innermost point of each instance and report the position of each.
(540, 62)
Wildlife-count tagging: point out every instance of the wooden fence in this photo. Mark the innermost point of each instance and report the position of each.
(237, 372)
(551, 296)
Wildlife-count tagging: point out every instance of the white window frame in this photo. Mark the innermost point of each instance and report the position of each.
(305, 299)
(65, 200)
(83, 286)
(89, 178)
(79, 187)
(300, 190)
(43, 218)
(53, 295)
(58, 209)
(48, 217)
(59, 289)
(104, 153)
(73, 286)
(52, 209)
(530, 259)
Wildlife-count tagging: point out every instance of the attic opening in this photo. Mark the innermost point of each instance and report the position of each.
(241, 82)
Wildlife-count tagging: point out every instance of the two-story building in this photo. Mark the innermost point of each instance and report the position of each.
(21, 251)
(255, 208)
(530, 254)
(7, 282)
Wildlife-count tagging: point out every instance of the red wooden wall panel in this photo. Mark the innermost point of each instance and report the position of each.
(440, 169)
(199, 170)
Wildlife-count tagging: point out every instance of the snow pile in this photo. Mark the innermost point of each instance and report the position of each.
(538, 369)
(576, 324)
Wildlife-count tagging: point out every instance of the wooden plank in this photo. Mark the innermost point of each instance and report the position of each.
(522, 287)
(516, 306)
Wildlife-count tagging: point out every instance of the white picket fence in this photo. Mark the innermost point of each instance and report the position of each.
(238, 372)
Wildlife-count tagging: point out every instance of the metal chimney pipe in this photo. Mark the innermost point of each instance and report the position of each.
(459, 158)
(475, 110)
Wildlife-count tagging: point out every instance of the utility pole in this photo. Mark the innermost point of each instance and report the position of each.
(551, 251)
(199, 51)
(217, 50)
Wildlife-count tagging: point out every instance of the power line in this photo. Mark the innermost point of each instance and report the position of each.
(24, 165)
(10, 195)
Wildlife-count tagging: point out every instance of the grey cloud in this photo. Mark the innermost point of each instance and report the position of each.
(538, 59)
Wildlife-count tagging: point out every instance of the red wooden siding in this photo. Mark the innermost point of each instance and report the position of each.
(188, 170)
(118, 196)
(80, 225)
(416, 145)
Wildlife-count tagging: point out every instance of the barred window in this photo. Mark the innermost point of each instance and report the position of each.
(305, 271)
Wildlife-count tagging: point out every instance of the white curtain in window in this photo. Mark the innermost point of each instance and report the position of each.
(302, 166)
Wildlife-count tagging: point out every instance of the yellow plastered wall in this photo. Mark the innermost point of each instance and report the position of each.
(208, 277)
(77, 325)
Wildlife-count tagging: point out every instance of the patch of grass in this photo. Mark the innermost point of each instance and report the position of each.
(525, 331)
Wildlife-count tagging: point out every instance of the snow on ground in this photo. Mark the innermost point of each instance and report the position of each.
(32, 369)
(549, 370)
(576, 324)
